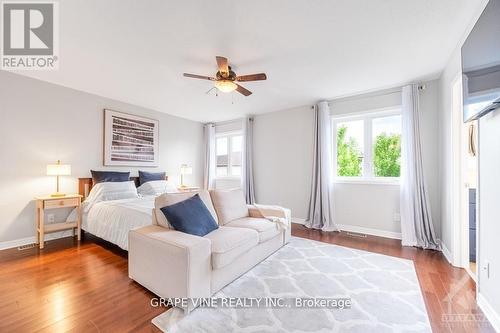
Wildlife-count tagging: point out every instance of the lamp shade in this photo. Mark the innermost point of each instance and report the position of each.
(58, 169)
(186, 170)
(225, 85)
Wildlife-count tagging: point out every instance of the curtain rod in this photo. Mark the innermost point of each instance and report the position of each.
(421, 87)
(226, 122)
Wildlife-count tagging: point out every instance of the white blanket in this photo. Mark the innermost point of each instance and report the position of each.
(112, 220)
(274, 214)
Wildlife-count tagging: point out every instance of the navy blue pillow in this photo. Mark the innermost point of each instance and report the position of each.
(190, 216)
(145, 176)
(109, 176)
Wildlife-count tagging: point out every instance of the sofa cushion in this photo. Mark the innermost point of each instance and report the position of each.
(229, 205)
(168, 199)
(190, 216)
(229, 243)
(265, 228)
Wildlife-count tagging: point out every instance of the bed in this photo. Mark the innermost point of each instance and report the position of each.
(111, 220)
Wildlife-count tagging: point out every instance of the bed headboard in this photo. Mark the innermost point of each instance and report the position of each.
(85, 185)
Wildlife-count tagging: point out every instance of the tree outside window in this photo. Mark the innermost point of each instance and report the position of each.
(348, 154)
(387, 146)
(368, 147)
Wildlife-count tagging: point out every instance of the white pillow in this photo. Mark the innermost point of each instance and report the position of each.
(156, 187)
(229, 204)
(111, 191)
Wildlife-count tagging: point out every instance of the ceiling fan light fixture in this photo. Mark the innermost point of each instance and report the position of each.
(225, 85)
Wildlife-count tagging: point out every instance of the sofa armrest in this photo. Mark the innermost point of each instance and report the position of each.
(170, 263)
(277, 211)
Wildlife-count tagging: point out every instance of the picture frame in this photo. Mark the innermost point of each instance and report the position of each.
(130, 140)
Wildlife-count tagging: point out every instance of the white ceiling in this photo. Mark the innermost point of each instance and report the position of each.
(136, 51)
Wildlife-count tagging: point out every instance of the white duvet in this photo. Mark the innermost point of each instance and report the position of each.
(112, 220)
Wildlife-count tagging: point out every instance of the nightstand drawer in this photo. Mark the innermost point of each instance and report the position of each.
(59, 203)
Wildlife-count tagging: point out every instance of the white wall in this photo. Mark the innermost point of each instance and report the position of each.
(449, 75)
(489, 193)
(283, 158)
(489, 187)
(42, 122)
(283, 144)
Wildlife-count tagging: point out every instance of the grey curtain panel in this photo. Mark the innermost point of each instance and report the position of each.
(320, 214)
(209, 168)
(416, 221)
(247, 182)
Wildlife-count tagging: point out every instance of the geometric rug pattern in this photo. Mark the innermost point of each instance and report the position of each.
(384, 291)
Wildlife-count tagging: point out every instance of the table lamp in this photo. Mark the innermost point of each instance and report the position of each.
(58, 170)
(185, 170)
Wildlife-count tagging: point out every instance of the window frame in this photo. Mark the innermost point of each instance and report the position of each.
(368, 176)
(229, 135)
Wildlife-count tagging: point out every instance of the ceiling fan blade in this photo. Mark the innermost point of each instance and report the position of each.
(243, 91)
(222, 64)
(252, 77)
(203, 77)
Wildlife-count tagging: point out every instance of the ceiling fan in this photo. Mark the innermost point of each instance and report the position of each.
(226, 80)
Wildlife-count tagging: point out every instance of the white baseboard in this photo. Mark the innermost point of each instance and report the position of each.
(489, 312)
(30, 240)
(16, 242)
(446, 252)
(360, 230)
(298, 220)
(370, 231)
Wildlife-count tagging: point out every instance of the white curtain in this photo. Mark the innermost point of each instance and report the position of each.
(247, 182)
(416, 220)
(209, 169)
(320, 214)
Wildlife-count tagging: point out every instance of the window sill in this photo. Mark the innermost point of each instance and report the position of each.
(228, 178)
(392, 182)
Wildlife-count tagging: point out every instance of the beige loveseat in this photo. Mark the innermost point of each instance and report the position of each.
(175, 264)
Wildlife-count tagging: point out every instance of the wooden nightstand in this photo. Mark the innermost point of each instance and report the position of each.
(48, 202)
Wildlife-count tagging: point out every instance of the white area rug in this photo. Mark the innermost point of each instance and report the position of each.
(384, 290)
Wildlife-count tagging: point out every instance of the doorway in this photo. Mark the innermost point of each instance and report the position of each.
(465, 181)
(469, 204)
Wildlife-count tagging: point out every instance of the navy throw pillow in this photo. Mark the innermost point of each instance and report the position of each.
(145, 176)
(109, 176)
(190, 216)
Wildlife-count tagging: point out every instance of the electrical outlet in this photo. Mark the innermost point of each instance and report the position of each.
(51, 218)
(486, 268)
(396, 217)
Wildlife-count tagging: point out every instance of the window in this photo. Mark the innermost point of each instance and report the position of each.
(386, 146)
(367, 147)
(228, 149)
(350, 148)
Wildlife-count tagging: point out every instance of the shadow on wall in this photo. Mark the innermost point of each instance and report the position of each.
(27, 212)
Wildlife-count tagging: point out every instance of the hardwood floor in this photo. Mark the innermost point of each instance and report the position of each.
(84, 287)
(449, 293)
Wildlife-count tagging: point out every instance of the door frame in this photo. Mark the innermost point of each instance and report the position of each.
(459, 199)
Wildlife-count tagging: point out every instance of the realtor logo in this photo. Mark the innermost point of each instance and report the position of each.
(29, 35)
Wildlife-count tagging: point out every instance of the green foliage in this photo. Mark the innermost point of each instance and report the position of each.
(387, 155)
(348, 155)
